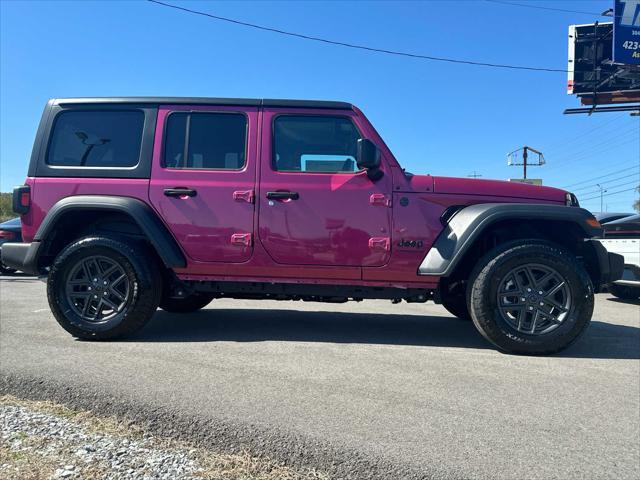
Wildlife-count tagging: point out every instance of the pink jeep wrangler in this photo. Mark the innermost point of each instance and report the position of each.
(135, 203)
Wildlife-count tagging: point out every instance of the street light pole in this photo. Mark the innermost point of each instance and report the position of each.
(602, 191)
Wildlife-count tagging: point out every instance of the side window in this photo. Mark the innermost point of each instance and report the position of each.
(318, 144)
(107, 139)
(205, 141)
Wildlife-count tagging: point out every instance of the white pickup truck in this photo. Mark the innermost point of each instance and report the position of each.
(623, 237)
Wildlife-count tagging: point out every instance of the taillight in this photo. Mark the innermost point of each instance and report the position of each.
(6, 235)
(21, 199)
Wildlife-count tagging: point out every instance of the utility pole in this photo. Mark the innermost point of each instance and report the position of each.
(602, 191)
(513, 159)
(474, 175)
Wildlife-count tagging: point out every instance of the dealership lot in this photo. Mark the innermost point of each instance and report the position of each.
(397, 387)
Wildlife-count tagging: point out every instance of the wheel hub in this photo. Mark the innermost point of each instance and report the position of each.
(97, 288)
(534, 299)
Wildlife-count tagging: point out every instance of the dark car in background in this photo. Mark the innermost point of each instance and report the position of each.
(606, 217)
(10, 231)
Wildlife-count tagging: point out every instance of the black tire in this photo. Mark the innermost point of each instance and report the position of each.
(624, 292)
(495, 271)
(135, 268)
(456, 305)
(192, 303)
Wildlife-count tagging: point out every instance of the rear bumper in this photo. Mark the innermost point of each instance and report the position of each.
(611, 265)
(21, 256)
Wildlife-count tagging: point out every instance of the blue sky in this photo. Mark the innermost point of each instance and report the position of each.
(438, 118)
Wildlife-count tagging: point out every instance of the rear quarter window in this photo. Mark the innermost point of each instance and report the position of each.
(103, 139)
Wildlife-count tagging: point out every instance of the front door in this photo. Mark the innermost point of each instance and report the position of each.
(315, 206)
(203, 179)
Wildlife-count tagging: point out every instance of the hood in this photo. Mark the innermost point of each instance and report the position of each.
(497, 188)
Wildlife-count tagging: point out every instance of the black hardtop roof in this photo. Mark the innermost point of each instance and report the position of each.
(245, 102)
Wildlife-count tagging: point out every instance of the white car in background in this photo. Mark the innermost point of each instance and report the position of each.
(622, 236)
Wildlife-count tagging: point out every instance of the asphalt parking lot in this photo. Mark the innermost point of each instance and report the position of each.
(359, 390)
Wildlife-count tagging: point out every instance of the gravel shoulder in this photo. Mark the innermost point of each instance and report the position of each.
(47, 440)
(295, 453)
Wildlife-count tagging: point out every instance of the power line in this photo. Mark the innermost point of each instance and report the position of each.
(540, 7)
(609, 138)
(355, 46)
(623, 184)
(565, 142)
(604, 182)
(590, 152)
(596, 178)
(609, 194)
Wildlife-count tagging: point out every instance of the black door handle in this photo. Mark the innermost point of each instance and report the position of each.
(283, 195)
(180, 192)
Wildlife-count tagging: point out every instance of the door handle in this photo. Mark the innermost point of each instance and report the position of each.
(283, 195)
(180, 192)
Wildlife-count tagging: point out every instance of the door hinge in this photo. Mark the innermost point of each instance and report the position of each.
(244, 196)
(242, 239)
(380, 199)
(380, 243)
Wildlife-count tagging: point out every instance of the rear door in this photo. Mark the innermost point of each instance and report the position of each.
(315, 206)
(203, 179)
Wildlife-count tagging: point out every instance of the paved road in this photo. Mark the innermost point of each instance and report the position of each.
(346, 386)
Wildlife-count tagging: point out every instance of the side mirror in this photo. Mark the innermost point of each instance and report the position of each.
(368, 157)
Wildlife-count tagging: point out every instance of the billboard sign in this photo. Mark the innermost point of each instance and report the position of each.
(592, 73)
(626, 32)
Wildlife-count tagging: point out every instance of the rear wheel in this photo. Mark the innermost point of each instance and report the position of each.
(530, 297)
(191, 303)
(101, 288)
(624, 292)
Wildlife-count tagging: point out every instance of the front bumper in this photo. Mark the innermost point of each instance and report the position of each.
(610, 265)
(21, 256)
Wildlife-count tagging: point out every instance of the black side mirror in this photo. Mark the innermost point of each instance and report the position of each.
(368, 157)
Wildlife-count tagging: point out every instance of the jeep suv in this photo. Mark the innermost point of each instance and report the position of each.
(131, 204)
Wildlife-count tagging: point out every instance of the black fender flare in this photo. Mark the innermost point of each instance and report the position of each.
(466, 225)
(141, 213)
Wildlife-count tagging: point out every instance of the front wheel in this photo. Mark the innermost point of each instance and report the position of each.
(101, 288)
(530, 297)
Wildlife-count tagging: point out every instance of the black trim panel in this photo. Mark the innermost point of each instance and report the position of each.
(468, 223)
(241, 102)
(320, 292)
(140, 212)
(610, 265)
(21, 256)
(41, 137)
